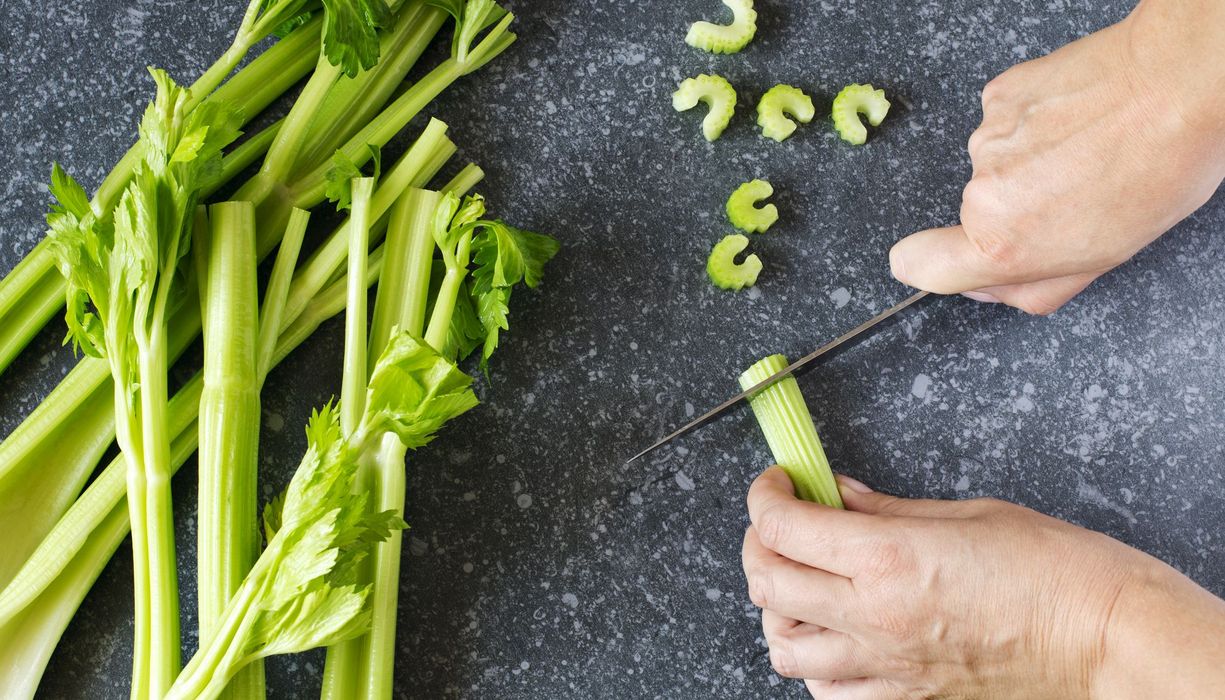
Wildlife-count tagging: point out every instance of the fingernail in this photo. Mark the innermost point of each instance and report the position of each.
(897, 267)
(852, 484)
(981, 296)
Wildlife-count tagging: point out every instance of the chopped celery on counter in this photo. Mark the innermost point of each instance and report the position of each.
(778, 102)
(784, 418)
(719, 96)
(742, 209)
(726, 38)
(723, 269)
(853, 100)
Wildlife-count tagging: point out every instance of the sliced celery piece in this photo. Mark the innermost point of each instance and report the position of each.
(719, 96)
(856, 99)
(726, 38)
(742, 209)
(776, 104)
(723, 269)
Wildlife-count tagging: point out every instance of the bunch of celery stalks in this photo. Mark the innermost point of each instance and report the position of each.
(145, 267)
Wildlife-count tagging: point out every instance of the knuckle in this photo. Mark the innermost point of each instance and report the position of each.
(887, 559)
(995, 91)
(782, 658)
(761, 587)
(774, 526)
(998, 251)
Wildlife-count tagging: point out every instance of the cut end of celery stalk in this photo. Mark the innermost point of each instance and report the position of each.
(784, 418)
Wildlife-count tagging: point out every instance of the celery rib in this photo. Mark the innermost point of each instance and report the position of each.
(784, 419)
(229, 422)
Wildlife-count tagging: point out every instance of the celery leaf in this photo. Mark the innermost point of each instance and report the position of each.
(350, 33)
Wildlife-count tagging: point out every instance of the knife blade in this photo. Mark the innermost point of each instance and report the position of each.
(786, 372)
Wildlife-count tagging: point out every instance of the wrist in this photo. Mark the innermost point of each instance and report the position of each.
(1176, 49)
(1163, 640)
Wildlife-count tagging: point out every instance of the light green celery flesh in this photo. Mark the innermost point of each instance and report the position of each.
(277, 294)
(245, 154)
(353, 102)
(33, 291)
(229, 423)
(784, 418)
(288, 144)
(401, 301)
(341, 667)
(329, 259)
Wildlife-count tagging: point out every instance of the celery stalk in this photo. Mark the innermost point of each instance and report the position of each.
(33, 291)
(784, 418)
(227, 536)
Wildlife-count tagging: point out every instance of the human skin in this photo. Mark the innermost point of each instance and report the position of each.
(895, 598)
(1084, 157)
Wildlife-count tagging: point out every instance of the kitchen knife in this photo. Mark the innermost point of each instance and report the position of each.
(794, 368)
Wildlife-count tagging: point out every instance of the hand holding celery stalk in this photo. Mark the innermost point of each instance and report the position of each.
(787, 424)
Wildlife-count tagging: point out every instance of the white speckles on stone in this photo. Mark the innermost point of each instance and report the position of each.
(713, 594)
(963, 484)
(683, 481)
(920, 386)
(841, 297)
(468, 567)
(689, 409)
(570, 600)
(1023, 403)
(524, 500)
(274, 422)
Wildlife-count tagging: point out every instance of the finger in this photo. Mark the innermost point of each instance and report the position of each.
(776, 624)
(837, 541)
(811, 652)
(796, 591)
(947, 261)
(858, 497)
(1038, 298)
(856, 689)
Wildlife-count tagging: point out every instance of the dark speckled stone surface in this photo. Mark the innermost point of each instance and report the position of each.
(539, 565)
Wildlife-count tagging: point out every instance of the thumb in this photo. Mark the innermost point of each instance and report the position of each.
(1038, 298)
(859, 498)
(947, 261)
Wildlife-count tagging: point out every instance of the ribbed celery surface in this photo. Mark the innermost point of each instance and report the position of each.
(784, 418)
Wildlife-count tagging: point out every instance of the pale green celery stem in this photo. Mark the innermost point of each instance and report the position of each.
(244, 155)
(277, 294)
(341, 667)
(163, 638)
(353, 389)
(330, 257)
(378, 647)
(784, 418)
(34, 290)
(47, 459)
(79, 412)
(289, 141)
(353, 102)
(410, 246)
(382, 128)
(227, 536)
(444, 306)
(403, 292)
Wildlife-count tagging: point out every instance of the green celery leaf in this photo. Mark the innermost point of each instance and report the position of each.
(414, 391)
(504, 257)
(69, 195)
(341, 174)
(350, 33)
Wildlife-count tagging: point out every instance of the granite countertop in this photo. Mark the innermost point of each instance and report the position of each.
(539, 564)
